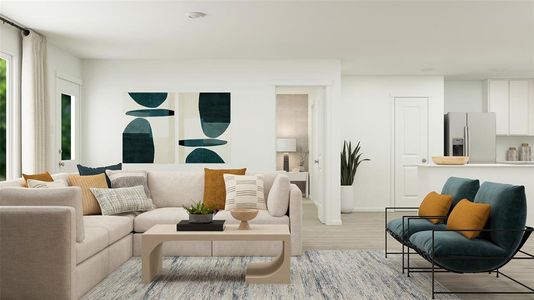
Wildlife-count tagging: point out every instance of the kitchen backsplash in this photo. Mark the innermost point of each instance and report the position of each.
(505, 142)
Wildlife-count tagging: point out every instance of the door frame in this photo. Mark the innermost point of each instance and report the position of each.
(77, 143)
(331, 179)
(392, 141)
(312, 92)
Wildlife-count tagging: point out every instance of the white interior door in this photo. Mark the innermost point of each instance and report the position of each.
(411, 147)
(67, 133)
(317, 98)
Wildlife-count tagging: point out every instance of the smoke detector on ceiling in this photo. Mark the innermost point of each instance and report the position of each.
(196, 15)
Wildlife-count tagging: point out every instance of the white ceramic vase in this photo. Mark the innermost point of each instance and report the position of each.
(347, 199)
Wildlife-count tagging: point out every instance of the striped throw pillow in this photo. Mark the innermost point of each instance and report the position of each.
(120, 200)
(244, 191)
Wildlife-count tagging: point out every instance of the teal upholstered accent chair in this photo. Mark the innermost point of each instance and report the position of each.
(402, 228)
(501, 239)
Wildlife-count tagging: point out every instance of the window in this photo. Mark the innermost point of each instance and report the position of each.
(66, 126)
(3, 119)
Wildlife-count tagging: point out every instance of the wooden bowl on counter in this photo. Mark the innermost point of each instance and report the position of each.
(450, 160)
(244, 215)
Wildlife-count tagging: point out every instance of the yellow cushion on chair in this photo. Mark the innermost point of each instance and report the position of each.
(435, 204)
(469, 215)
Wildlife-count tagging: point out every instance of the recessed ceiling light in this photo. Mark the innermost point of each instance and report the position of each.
(196, 15)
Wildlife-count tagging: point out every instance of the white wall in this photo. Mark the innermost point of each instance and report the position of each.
(252, 84)
(463, 96)
(367, 116)
(67, 66)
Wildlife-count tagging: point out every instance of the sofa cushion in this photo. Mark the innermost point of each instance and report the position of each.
(214, 188)
(460, 188)
(100, 232)
(123, 178)
(84, 171)
(164, 215)
(96, 239)
(40, 176)
(69, 196)
(117, 227)
(268, 180)
(263, 218)
(450, 243)
(90, 205)
(435, 204)
(244, 191)
(176, 189)
(121, 200)
(416, 225)
(508, 211)
(278, 199)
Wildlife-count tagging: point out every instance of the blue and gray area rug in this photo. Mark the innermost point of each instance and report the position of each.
(331, 274)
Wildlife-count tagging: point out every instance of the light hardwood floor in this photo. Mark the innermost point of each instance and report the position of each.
(365, 230)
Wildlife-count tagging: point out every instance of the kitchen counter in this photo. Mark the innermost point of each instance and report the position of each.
(431, 177)
(495, 165)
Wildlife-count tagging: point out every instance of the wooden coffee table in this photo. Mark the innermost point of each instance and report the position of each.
(276, 271)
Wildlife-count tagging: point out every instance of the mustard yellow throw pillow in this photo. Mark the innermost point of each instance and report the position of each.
(435, 204)
(214, 187)
(41, 177)
(89, 203)
(469, 215)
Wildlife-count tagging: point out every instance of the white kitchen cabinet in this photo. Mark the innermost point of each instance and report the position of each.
(498, 102)
(511, 101)
(519, 112)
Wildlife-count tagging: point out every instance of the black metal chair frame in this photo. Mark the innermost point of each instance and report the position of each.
(402, 239)
(436, 267)
(394, 235)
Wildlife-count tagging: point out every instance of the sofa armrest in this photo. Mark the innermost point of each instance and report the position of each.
(295, 219)
(37, 252)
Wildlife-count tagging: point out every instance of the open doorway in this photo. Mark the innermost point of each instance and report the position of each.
(300, 140)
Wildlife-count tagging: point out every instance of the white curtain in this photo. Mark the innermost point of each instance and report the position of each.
(33, 101)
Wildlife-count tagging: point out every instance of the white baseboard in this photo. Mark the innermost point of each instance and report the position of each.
(368, 209)
(334, 222)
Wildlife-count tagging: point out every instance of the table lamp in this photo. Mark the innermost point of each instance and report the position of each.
(286, 146)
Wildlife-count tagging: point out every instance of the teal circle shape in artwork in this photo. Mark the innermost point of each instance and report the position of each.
(203, 156)
(151, 100)
(150, 113)
(137, 142)
(201, 142)
(214, 110)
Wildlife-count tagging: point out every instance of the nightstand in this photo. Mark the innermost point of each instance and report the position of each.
(300, 176)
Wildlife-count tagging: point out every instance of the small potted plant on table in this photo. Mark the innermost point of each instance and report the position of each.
(200, 213)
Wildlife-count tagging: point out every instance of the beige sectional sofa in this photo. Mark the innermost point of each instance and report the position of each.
(49, 251)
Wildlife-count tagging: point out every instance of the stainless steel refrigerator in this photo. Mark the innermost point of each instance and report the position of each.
(470, 134)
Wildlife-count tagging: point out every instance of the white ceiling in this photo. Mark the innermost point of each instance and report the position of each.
(462, 39)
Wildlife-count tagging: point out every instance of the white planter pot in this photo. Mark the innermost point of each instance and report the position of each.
(347, 198)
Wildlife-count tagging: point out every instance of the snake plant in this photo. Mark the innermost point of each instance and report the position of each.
(350, 160)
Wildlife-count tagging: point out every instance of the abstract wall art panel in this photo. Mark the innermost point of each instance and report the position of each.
(204, 128)
(167, 128)
(149, 137)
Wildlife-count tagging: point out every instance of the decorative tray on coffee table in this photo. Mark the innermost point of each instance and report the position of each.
(215, 225)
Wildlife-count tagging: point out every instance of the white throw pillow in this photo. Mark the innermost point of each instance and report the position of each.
(120, 200)
(244, 191)
(278, 199)
(38, 184)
